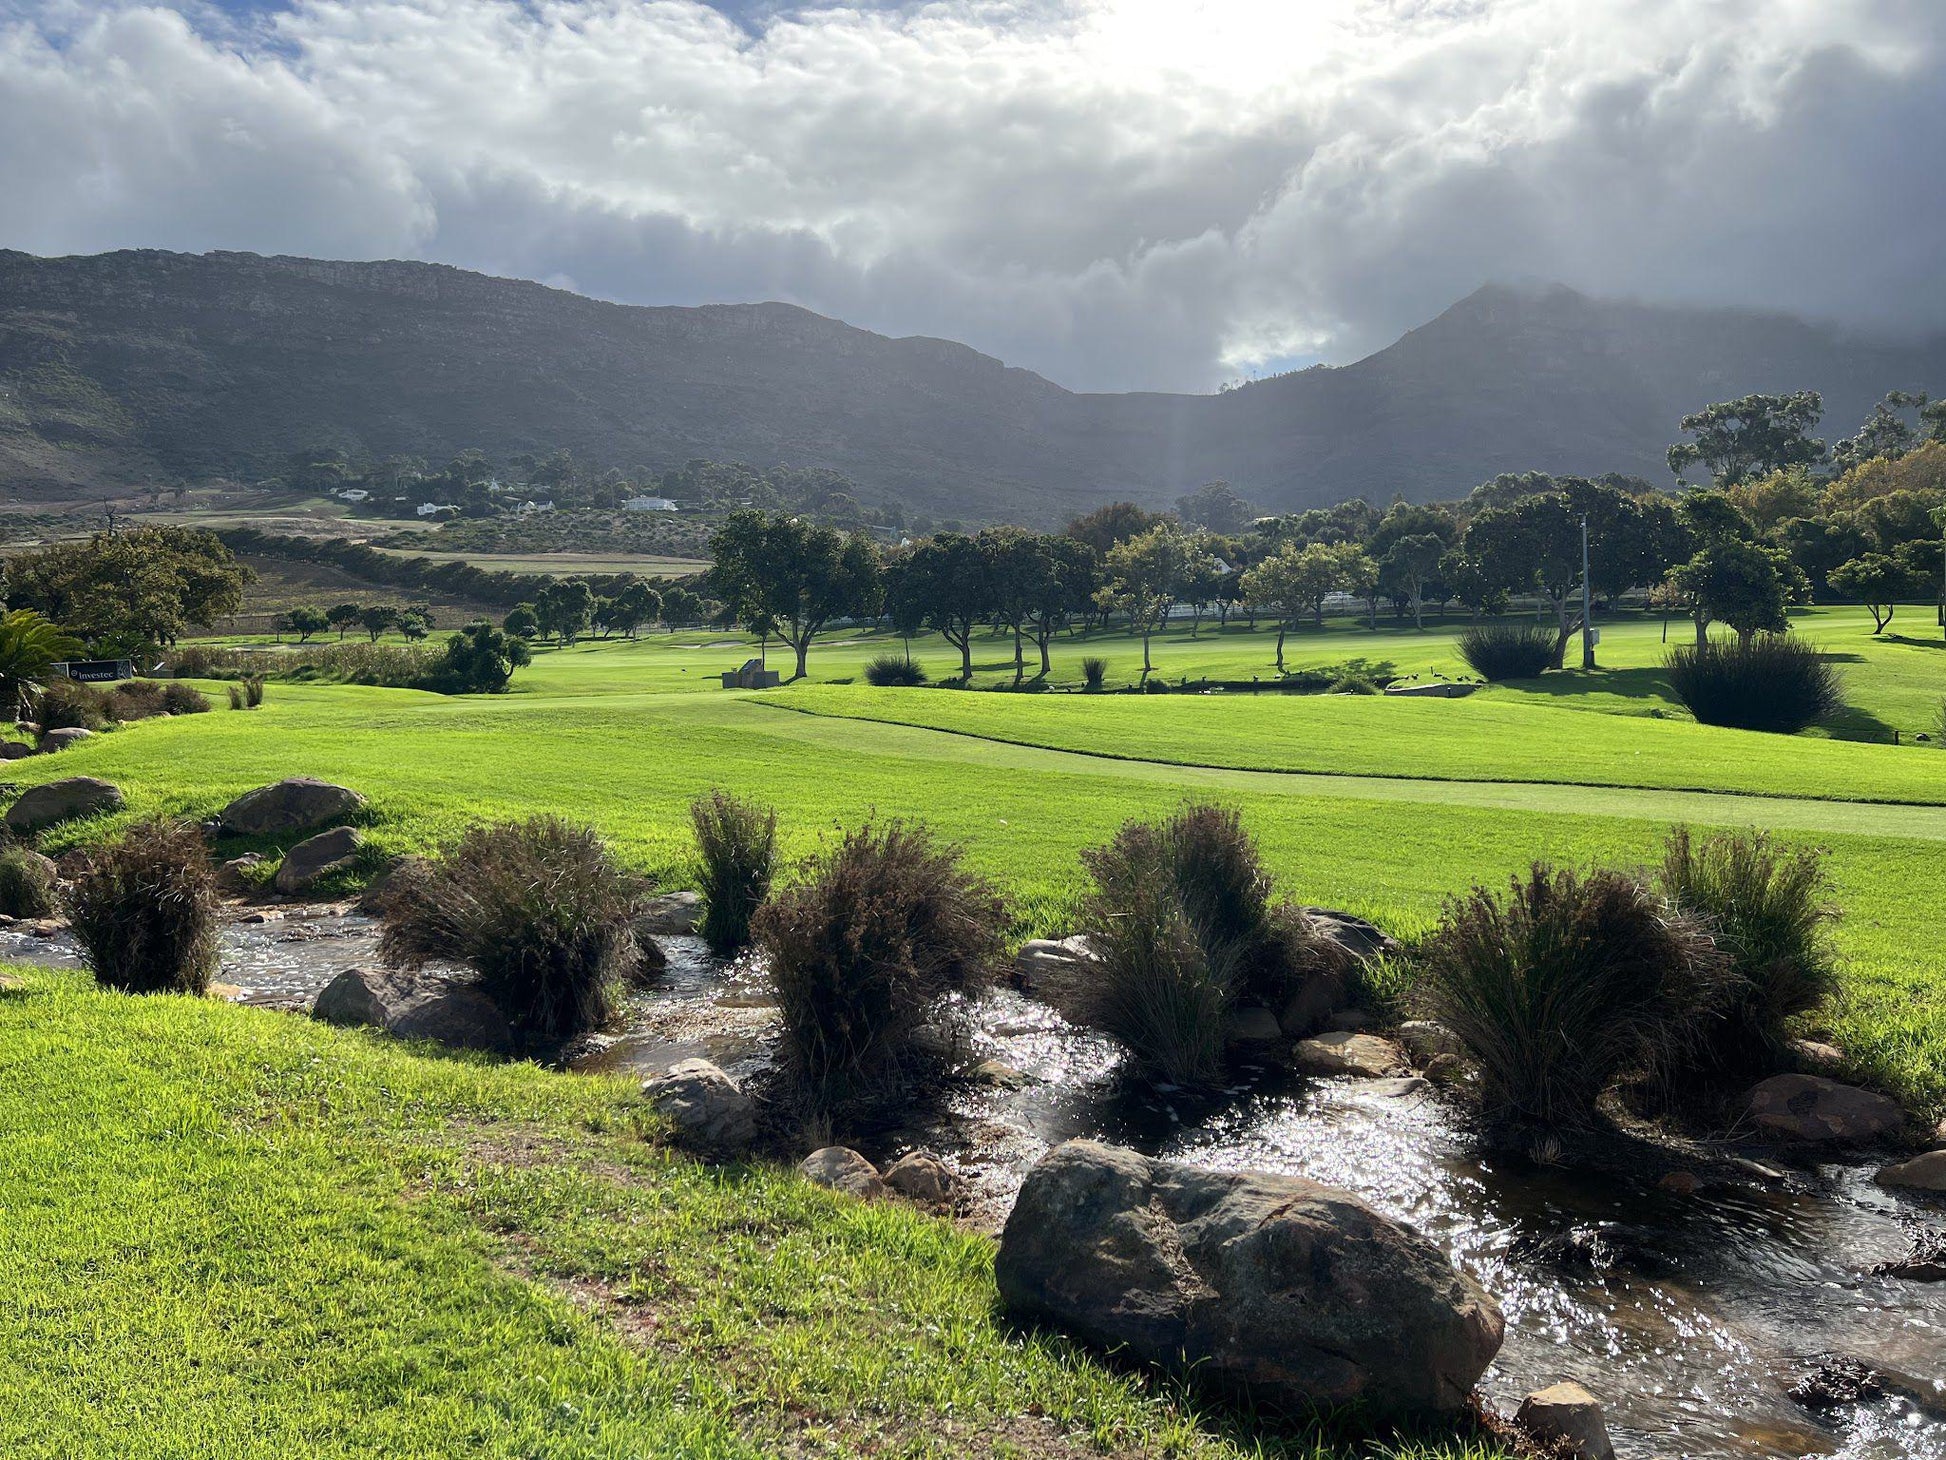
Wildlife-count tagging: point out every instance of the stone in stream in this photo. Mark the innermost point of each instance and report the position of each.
(1343, 1053)
(1057, 972)
(842, 1169)
(299, 803)
(1251, 1024)
(1925, 1172)
(1425, 1039)
(709, 1110)
(1296, 1293)
(358, 996)
(1812, 1108)
(313, 858)
(446, 1011)
(1566, 1419)
(922, 1178)
(56, 801)
(231, 875)
(667, 913)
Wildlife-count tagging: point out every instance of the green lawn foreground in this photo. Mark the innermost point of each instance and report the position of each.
(231, 1232)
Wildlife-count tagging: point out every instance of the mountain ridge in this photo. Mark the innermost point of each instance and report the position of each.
(118, 366)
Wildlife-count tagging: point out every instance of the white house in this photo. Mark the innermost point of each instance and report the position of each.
(649, 504)
(433, 509)
(528, 508)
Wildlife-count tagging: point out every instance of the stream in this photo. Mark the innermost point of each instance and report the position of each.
(1689, 1316)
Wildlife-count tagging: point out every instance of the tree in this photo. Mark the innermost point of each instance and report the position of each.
(1293, 582)
(1743, 584)
(522, 622)
(949, 575)
(905, 604)
(1533, 546)
(1020, 572)
(1877, 581)
(1145, 575)
(481, 659)
(681, 605)
(795, 573)
(131, 589)
(565, 608)
(1068, 590)
(636, 605)
(1753, 435)
(30, 646)
(1216, 507)
(415, 623)
(1885, 432)
(1410, 563)
(377, 619)
(1467, 579)
(1632, 542)
(305, 622)
(1116, 523)
(342, 617)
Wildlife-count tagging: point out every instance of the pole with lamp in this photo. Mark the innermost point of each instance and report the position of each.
(1587, 607)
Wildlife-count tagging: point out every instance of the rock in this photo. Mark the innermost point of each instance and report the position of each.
(1566, 1419)
(61, 739)
(1926, 1172)
(1681, 1183)
(708, 1109)
(1000, 1073)
(921, 1178)
(316, 856)
(300, 803)
(668, 913)
(1405, 1087)
(1812, 1108)
(1343, 1053)
(1056, 971)
(842, 1169)
(1445, 1069)
(358, 996)
(230, 875)
(44, 805)
(15, 750)
(649, 963)
(1322, 994)
(1351, 1021)
(1814, 1056)
(1424, 1039)
(455, 1014)
(1252, 1024)
(1301, 1295)
(1359, 938)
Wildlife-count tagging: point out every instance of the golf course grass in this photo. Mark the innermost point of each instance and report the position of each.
(240, 1234)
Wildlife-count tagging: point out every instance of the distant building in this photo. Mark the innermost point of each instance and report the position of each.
(528, 508)
(649, 504)
(353, 494)
(433, 509)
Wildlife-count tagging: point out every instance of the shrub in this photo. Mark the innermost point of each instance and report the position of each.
(536, 908)
(1771, 682)
(236, 696)
(253, 691)
(135, 699)
(1182, 919)
(894, 669)
(1569, 983)
(26, 884)
(1094, 671)
(1508, 651)
(1352, 684)
(884, 933)
(145, 911)
(67, 704)
(183, 699)
(1766, 905)
(737, 844)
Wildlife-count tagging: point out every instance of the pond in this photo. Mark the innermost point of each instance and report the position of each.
(1689, 1316)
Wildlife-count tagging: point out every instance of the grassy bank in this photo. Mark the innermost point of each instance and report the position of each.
(233, 1232)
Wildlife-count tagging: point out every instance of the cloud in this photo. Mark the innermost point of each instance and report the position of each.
(1119, 193)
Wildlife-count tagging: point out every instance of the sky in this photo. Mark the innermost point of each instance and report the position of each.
(1120, 194)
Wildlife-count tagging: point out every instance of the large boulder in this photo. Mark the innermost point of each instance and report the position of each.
(61, 739)
(1343, 1052)
(451, 1013)
(1057, 972)
(359, 996)
(15, 750)
(1566, 1419)
(44, 805)
(842, 1169)
(708, 1109)
(1298, 1294)
(300, 803)
(1924, 1172)
(316, 856)
(1812, 1108)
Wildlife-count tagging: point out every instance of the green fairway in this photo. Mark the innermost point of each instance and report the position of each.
(234, 1233)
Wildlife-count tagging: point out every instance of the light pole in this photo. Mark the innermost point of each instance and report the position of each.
(1587, 608)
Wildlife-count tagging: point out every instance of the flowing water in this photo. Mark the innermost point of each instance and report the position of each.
(1690, 1316)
